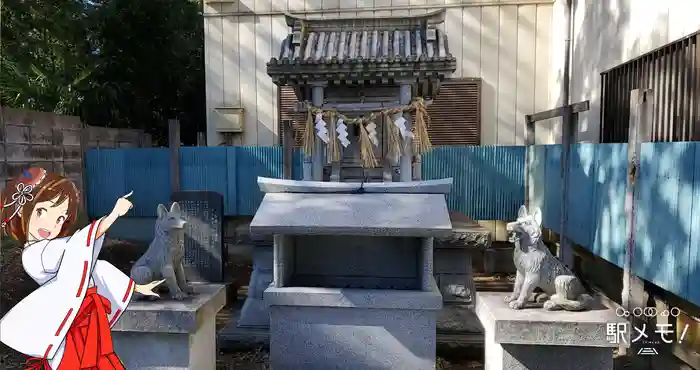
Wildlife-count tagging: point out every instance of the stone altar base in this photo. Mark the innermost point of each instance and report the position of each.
(328, 328)
(168, 334)
(535, 339)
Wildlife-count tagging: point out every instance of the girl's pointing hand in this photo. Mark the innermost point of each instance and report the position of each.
(148, 288)
(123, 205)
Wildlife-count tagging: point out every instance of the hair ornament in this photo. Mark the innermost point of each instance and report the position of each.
(23, 191)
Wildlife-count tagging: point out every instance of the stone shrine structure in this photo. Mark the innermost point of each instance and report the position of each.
(353, 283)
(355, 67)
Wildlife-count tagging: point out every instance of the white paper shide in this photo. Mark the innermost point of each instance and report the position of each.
(372, 133)
(400, 123)
(321, 130)
(342, 129)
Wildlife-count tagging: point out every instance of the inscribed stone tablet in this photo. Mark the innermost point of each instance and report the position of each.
(205, 253)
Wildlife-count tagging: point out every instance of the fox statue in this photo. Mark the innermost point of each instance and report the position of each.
(538, 268)
(164, 257)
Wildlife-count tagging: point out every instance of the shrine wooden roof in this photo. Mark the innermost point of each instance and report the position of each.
(364, 48)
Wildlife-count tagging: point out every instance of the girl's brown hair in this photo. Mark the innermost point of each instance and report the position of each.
(50, 186)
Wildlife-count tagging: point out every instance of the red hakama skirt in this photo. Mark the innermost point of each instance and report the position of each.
(89, 339)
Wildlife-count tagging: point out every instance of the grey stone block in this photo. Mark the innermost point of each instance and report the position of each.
(499, 260)
(417, 215)
(456, 288)
(167, 335)
(465, 234)
(355, 298)
(532, 357)
(452, 261)
(254, 312)
(325, 329)
(535, 339)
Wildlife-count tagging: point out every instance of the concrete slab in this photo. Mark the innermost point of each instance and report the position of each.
(170, 316)
(354, 298)
(417, 215)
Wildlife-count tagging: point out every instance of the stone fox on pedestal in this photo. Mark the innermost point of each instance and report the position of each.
(538, 268)
(164, 257)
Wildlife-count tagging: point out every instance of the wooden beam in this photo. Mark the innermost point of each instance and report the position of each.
(84, 147)
(355, 107)
(529, 161)
(558, 112)
(174, 153)
(288, 148)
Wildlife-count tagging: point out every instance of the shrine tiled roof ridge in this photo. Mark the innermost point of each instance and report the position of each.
(373, 46)
(324, 23)
(363, 49)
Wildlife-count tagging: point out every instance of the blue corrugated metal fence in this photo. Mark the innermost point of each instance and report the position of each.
(488, 185)
(667, 232)
(488, 180)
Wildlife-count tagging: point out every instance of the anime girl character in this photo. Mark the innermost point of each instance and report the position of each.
(64, 324)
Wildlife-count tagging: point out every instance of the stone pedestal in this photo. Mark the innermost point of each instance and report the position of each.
(535, 339)
(453, 262)
(171, 335)
(453, 273)
(327, 328)
(254, 313)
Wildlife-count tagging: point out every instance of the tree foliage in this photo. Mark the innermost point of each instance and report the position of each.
(119, 63)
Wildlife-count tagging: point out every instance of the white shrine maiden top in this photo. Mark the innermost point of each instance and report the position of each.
(64, 268)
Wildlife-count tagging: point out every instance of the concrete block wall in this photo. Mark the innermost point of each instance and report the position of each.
(55, 142)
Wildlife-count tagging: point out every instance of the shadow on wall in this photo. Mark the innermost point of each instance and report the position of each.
(667, 251)
(608, 36)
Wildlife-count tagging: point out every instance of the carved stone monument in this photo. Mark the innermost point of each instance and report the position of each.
(205, 254)
(353, 283)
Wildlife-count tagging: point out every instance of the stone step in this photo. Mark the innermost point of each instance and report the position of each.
(458, 326)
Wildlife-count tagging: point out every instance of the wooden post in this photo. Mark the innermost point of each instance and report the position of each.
(641, 113)
(529, 160)
(318, 159)
(288, 148)
(84, 147)
(387, 161)
(407, 153)
(565, 253)
(174, 153)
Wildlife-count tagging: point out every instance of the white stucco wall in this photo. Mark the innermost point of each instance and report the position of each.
(607, 33)
(504, 42)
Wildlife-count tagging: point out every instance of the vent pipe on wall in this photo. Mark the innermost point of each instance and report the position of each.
(566, 78)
